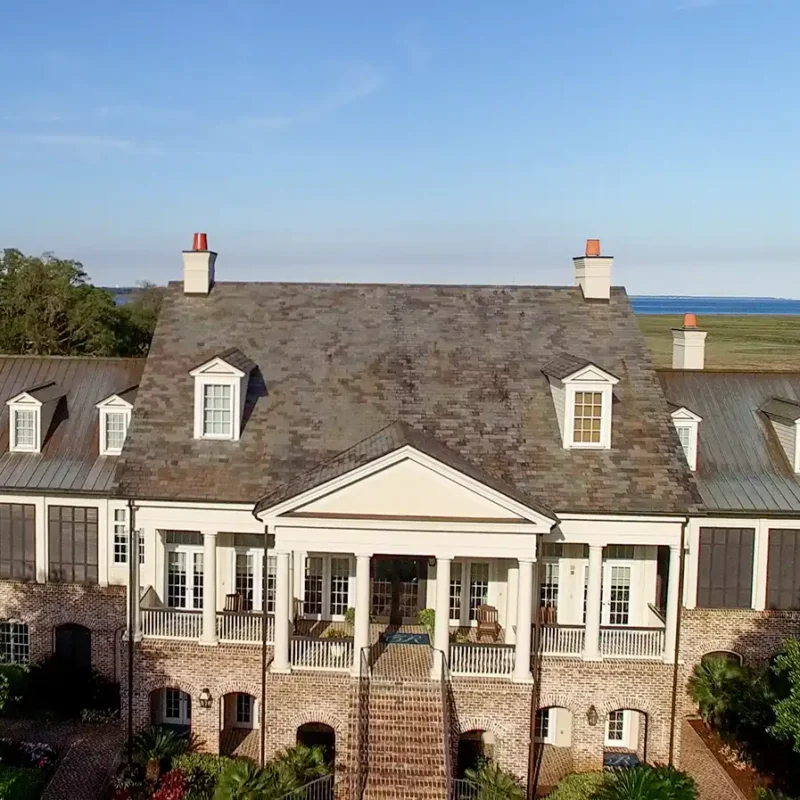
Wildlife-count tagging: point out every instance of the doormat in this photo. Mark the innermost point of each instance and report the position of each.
(405, 638)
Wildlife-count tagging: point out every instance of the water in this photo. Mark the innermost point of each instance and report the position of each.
(715, 305)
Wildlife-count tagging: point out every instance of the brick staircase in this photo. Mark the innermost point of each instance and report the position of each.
(406, 748)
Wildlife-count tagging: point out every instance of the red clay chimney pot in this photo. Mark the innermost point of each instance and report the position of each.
(690, 320)
(200, 242)
(592, 247)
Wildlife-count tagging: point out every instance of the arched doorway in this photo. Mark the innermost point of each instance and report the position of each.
(172, 708)
(723, 655)
(553, 751)
(318, 734)
(473, 747)
(239, 730)
(73, 646)
(625, 738)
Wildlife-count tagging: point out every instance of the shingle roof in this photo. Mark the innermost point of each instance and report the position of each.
(462, 364)
(564, 365)
(69, 461)
(235, 357)
(386, 441)
(741, 466)
(784, 409)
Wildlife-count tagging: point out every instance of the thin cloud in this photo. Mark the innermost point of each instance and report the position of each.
(417, 52)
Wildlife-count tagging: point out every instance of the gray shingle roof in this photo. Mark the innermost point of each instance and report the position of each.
(69, 461)
(741, 466)
(564, 365)
(386, 441)
(235, 357)
(462, 364)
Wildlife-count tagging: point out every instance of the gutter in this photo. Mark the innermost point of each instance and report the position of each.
(676, 665)
(133, 565)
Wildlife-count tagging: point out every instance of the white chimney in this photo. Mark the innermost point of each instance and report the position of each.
(593, 272)
(688, 345)
(198, 266)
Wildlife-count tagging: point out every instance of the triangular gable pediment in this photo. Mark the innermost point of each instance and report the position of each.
(24, 399)
(115, 401)
(591, 373)
(684, 413)
(409, 484)
(217, 366)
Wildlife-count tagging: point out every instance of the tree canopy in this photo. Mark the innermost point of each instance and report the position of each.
(48, 307)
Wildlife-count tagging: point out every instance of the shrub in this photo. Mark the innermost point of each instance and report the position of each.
(172, 787)
(647, 783)
(492, 783)
(712, 686)
(578, 787)
(97, 716)
(350, 616)
(202, 771)
(302, 764)
(15, 681)
(21, 783)
(762, 793)
(427, 618)
(243, 780)
(677, 785)
(155, 748)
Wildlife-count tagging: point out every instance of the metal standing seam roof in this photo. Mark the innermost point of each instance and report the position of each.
(337, 363)
(69, 461)
(741, 467)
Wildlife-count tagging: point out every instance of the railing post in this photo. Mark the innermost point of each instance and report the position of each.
(591, 646)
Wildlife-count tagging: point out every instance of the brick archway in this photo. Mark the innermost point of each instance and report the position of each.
(559, 700)
(317, 715)
(159, 682)
(626, 703)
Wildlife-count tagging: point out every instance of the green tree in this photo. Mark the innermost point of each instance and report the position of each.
(712, 686)
(786, 668)
(138, 317)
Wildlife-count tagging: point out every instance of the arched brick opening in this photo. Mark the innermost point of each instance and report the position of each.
(319, 734)
(553, 757)
(726, 655)
(626, 731)
(170, 706)
(239, 725)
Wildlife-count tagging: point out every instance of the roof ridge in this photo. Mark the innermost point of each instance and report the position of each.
(33, 356)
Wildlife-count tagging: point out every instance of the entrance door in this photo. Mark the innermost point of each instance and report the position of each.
(396, 588)
(616, 594)
(185, 578)
(74, 646)
(176, 707)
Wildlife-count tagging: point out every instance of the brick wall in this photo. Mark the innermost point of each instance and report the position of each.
(43, 606)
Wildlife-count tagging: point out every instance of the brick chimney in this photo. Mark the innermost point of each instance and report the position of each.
(198, 266)
(688, 345)
(593, 272)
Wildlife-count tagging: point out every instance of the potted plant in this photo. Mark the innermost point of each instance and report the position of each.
(338, 650)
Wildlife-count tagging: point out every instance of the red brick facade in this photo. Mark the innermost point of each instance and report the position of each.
(44, 606)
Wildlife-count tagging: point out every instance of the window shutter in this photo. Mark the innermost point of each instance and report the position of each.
(725, 578)
(783, 569)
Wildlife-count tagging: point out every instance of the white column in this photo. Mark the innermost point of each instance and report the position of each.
(40, 540)
(280, 661)
(522, 656)
(361, 632)
(673, 601)
(591, 648)
(209, 635)
(760, 563)
(135, 585)
(441, 639)
(512, 590)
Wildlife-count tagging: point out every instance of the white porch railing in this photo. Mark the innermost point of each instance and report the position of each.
(632, 642)
(171, 623)
(484, 660)
(323, 654)
(561, 640)
(243, 626)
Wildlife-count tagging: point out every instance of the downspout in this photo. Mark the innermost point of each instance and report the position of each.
(133, 565)
(675, 666)
(264, 620)
(533, 770)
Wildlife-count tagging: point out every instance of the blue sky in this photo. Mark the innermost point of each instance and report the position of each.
(451, 141)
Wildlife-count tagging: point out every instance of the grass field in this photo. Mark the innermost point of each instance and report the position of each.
(751, 342)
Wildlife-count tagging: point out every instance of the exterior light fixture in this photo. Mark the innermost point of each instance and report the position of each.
(591, 715)
(205, 699)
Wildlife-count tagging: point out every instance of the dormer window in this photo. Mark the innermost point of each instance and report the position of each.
(115, 417)
(219, 395)
(30, 414)
(687, 426)
(582, 393)
(784, 415)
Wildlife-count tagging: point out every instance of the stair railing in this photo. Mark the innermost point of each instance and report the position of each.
(448, 715)
(362, 725)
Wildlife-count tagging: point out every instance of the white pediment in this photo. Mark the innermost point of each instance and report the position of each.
(217, 367)
(114, 402)
(591, 374)
(684, 413)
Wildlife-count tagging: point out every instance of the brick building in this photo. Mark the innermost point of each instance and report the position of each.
(313, 466)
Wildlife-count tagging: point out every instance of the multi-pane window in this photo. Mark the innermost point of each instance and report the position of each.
(25, 429)
(619, 596)
(15, 645)
(478, 587)
(542, 728)
(725, 568)
(17, 541)
(626, 551)
(197, 581)
(588, 416)
(141, 547)
(177, 706)
(548, 594)
(272, 570)
(455, 591)
(116, 428)
(120, 536)
(217, 410)
(615, 729)
(72, 540)
(783, 569)
(244, 709)
(685, 435)
(340, 585)
(176, 579)
(245, 579)
(312, 605)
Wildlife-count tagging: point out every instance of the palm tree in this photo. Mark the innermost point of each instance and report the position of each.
(306, 764)
(634, 783)
(492, 783)
(678, 785)
(155, 746)
(243, 780)
(711, 685)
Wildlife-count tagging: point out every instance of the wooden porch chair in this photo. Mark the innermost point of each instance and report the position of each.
(488, 623)
(548, 615)
(233, 602)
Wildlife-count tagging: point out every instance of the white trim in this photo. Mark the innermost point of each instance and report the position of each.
(218, 372)
(31, 405)
(604, 390)
(684, 418)
(326, 584)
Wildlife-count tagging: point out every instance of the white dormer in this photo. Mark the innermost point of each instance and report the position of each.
(582, 394)
(784, 415)
(115, 419)
(29, 416)
(220, 389)
(687, 424)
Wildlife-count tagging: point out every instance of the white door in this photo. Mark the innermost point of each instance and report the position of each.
(176, 707)
(185, 579)
(617, 588)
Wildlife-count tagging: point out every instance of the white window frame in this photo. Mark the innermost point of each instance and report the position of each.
(257, 554)
(588, 379)
(549, 737)
(119, 536)
(112, 405)
(184, 703)
(219, 372)
(466, 582)
(326, 585)
(684, 418)
(190, 551)
(18, 638)
(630, 729)
(28, 405)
